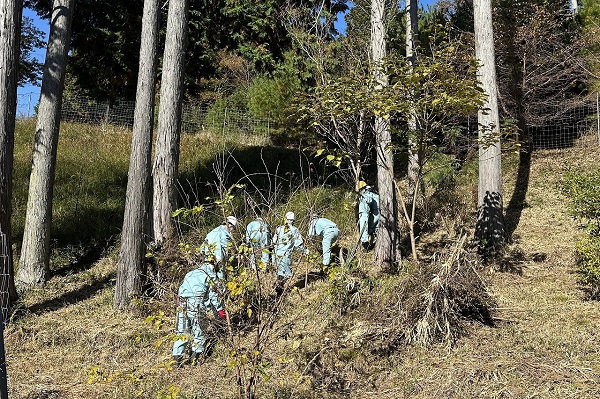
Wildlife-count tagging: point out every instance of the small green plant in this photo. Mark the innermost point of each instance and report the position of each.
(582, 190)
(588, 254)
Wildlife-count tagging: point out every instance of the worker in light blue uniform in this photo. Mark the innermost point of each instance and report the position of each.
(285, 240)
(218, 241)
(258, 238)
(197, 294)
(329, 232)
(368, 214)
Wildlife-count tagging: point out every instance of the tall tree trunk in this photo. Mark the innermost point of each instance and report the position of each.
(130, 265)
(489, 230)
(166, 160)
(412, 35)
(10, 31)
(414, 192)
(34, 263)
(387, 249)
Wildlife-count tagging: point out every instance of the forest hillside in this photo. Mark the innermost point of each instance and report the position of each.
(328, 340)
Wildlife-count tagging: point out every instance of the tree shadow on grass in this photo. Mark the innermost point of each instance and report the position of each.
(271, 173)
(87, 259)
(68, 298)
(517, 201)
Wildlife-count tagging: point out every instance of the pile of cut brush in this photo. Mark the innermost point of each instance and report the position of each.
(435, 303)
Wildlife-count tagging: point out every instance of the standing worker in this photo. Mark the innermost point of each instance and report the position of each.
(368, 214)
(286, 239)
(197, 294)
(217, 242)
(326, 229)
(258, 238)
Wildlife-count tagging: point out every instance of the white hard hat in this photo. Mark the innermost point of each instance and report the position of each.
(290, 216)
(231, 220)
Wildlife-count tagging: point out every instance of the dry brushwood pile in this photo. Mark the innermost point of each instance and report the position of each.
(451, 328)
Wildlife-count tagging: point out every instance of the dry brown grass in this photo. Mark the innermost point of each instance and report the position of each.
(545, 343)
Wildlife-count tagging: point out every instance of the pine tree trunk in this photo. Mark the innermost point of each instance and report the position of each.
(34, 262)
(387, 250)
(10, 29)
(130, 265)
(166, 160)
(489, 230)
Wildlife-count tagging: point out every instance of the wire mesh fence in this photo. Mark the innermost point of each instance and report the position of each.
(195, 118)
(568, 124)
(573, 122)
(4, 276)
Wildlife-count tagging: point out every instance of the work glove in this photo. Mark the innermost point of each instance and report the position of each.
(222, 314)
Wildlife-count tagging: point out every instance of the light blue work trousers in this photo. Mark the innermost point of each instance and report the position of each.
(284, 265)
(330, 236)
(190, 326)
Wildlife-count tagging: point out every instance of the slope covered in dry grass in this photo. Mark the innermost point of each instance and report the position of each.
(66, 341)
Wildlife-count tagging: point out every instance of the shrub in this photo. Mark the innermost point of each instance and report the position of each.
(582, 190)
(588, 256)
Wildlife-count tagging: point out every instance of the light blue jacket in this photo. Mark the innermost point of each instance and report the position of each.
(257, 233)
(199, 287)
(286, 239)
(216, 243)
(369, 203)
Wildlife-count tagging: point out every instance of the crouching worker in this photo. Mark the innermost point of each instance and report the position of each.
(258, 239)
(218, 241)
(286, 239)
(328, 231)
(197, 295)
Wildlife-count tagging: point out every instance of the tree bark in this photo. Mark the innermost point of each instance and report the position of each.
(10, 30)
(166, 160)
(34, 262)
(387, 249)
(130, 264)
(489, 230)
(412, 34)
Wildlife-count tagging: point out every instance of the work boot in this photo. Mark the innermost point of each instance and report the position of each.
(279, 286)
(178, 361)
(196, 358)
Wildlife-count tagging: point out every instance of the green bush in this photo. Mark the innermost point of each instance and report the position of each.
(584, 192)
(583, 189)
(588, 254)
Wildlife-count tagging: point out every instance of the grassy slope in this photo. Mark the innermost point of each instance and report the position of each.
(546, 344)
